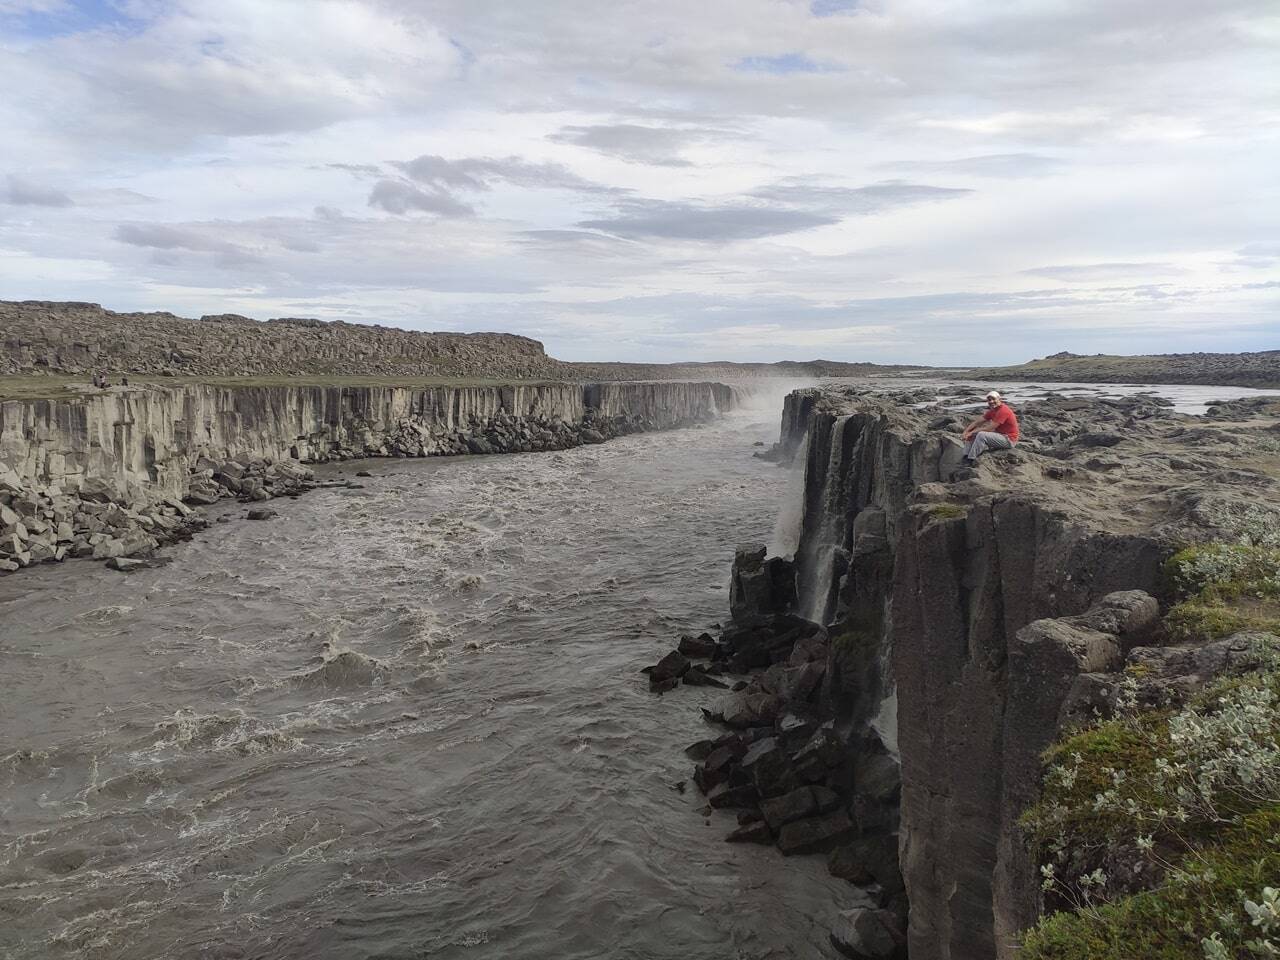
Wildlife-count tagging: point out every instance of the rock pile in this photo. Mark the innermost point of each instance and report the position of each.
(785, 764)
(249, 479)
(46, 525)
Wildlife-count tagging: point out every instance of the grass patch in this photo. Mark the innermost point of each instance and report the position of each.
(1226, 588)
(947, 511)
(1209, 902)
(34, 387)
(1159, 830)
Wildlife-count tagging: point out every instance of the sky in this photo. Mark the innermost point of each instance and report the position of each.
(941, 182)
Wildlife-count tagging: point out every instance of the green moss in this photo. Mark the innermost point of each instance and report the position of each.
(947, 511)
(1194, 620)
(1169, 922)
(1220, 572)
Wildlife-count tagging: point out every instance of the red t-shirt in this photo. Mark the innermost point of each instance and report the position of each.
(1004, 421)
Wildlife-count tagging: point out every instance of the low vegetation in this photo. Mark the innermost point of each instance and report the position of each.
(1159, 829)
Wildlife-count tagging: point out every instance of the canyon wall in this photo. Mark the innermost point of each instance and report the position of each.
(148, 440)
(930, 578)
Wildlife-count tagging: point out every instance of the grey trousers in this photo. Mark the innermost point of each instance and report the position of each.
(986, 440)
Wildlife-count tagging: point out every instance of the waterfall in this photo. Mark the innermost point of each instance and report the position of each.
(825, 532)
(786, 529)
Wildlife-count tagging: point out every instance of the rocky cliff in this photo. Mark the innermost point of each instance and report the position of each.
(135, 447)
(963, 606)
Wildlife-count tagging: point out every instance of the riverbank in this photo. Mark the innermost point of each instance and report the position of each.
(113, 474)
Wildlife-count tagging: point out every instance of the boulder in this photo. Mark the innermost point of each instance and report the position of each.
(795, 805)
(815, 834)
(671, 667)
(701, 647)
(864, 934)
(768, 767)
(124, 564)
(98, 490)
(756, 832)
(261, 513)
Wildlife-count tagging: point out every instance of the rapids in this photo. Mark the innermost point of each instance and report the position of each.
(398, 722)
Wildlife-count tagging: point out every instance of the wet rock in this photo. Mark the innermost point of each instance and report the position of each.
(815, 834)
(124, 564)
(768, 767)
(726, 795)
(795, 805)
(700, 751)
(757, 832)
(698, 677)
(671, 667)
(844, 863)
(748, 709)
(700, 647)
(261, 513)
(863, 934)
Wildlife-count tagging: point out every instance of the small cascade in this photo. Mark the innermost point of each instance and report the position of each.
(824, 530)
(786, 529)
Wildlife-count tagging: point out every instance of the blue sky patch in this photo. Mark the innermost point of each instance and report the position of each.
(782, 64)
(829, 8)
(78, 16)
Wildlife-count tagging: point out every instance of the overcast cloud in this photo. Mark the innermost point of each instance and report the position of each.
(888, 180)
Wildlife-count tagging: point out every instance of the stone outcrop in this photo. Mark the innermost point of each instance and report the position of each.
(973, 613)
(141, 455)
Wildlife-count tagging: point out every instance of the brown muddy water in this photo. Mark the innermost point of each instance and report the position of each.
(399, 722)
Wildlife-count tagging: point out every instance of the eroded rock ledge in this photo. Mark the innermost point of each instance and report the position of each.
(968, 615)
(114, 474)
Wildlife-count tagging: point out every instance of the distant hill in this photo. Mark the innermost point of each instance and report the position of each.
(1261, 370)
(39, 336)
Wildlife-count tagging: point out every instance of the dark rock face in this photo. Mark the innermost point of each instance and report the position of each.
(971, 615)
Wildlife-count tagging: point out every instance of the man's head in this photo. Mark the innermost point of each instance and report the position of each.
(994, 399)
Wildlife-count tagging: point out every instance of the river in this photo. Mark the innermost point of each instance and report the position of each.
(405, 721)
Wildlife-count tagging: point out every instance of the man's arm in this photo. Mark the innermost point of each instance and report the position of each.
(973, 428)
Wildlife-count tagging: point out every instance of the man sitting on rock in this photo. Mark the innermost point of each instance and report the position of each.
(1003, 437)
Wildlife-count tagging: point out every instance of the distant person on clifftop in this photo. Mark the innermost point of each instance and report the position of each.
(1003, 437)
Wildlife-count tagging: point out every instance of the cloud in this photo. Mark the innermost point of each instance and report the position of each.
(166, 239)
(26, 193)
(862, 201)
(634, 143)
(1095, 272)
(716, 224)
(480, 173)
(1256, 256)
(396, 196)
(1001, 165)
